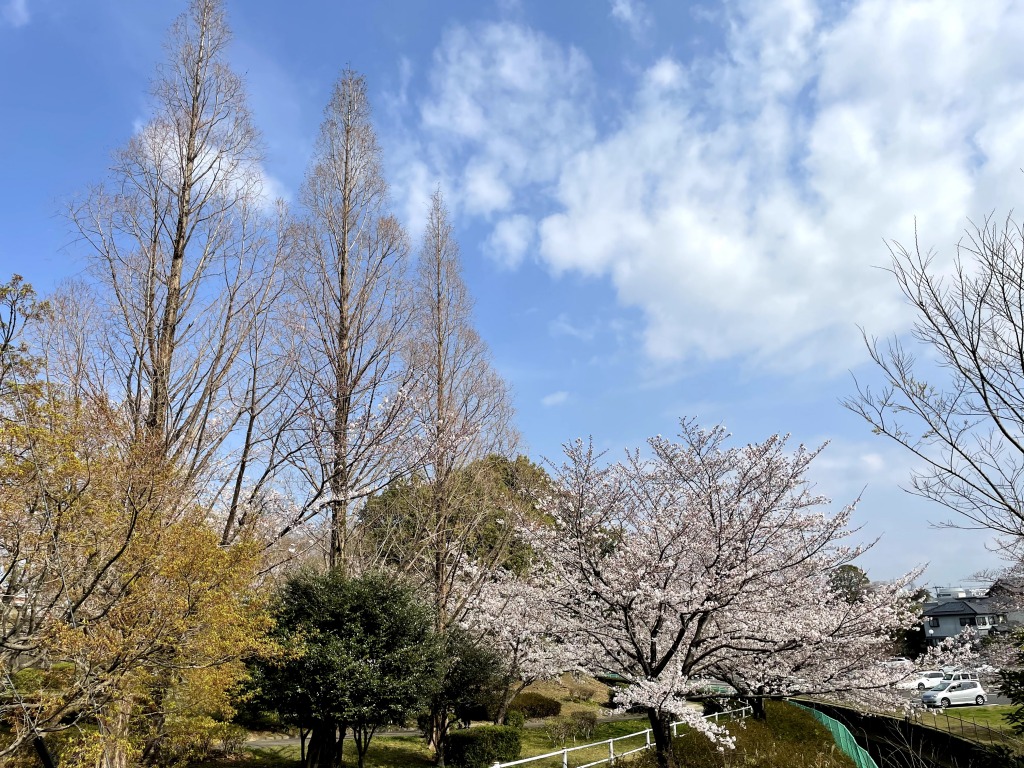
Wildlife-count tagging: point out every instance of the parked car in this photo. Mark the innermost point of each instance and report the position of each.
(921, 681)
(950, 692)
(961, 674)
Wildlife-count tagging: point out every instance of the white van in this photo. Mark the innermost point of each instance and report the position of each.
(960, 674)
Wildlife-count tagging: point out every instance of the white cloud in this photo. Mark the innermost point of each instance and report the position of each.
(563, 326)
(740, 201)
(511, 239)
(507, 106)
(15, 13)
(555, 398)
(633, 14)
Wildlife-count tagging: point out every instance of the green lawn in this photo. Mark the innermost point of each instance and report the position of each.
(536, 742)
(790, 736)
(410, 750)
(984, 724)
(384, 753)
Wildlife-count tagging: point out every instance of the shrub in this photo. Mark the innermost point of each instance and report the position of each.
(578, 725)
(558, 730)
(515, 718)
(536, 705)
(481, 747)
(581, 693)
(583, 724)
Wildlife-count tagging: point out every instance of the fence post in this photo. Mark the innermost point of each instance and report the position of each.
(647, 735)
(675, 730)
(565, 758)
(611, 751)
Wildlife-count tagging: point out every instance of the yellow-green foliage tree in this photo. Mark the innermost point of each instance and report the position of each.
(121, 617)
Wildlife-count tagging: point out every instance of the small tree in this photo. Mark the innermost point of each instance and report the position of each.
(849, 582)
(360, 654)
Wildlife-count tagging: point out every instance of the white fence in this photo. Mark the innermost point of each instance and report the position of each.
(732, 714)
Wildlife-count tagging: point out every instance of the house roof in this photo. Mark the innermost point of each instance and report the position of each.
(981, 606)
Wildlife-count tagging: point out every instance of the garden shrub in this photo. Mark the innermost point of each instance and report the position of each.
(583, 724)
(515, 718)
(481, 747)
(581, 693)
(577, 726)
(536, 705)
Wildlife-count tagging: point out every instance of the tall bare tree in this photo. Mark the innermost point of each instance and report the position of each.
(185, 256)
(463, 413)
(347, 277)
(960, 408)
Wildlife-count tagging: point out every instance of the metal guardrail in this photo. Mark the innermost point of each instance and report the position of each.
(732, 714)
(969, 728)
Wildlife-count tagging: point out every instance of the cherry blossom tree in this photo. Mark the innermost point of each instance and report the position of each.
(511, 615)
(702, 559)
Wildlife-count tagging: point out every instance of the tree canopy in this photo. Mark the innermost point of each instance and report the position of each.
(359, 652)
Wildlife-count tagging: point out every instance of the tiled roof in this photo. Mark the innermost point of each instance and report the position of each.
(981, 606)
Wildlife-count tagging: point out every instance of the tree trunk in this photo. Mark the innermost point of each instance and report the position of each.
(438, 732)
(325, 746)
(757, 705)
(661, 727)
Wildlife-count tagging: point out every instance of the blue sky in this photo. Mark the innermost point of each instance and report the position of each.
(665, 209)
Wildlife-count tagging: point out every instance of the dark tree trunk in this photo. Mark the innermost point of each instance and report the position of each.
(438, 732)
(44, 753)
(325, 746)
(757, 705)
(661, 727)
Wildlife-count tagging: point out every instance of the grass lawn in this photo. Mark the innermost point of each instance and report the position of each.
(397, 752)
(983, 724)
(536, 742)
(790, 737)
(384, 753)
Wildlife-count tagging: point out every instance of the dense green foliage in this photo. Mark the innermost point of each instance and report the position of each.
(536, 705)
(494, 485)
(1011, 684)
(481, 747)
(360, 652)
(850, 582)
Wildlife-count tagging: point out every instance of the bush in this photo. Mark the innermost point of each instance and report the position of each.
(583, 724)
(481, 747)
(515, 718)
(581, 693)
(578, 725)
(536, 705)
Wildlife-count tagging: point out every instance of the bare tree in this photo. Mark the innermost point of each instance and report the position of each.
(463, 414)
(185, 255)
(960, 408)
(347, 279)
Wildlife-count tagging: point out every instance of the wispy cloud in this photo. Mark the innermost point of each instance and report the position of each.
(563, 326)
(555, 398)
(633, 15)
(740, 202)
(15, 13)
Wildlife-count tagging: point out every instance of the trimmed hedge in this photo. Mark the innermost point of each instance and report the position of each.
(536, 705)
(481, 747)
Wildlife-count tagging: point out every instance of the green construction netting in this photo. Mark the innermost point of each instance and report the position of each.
(843, 738)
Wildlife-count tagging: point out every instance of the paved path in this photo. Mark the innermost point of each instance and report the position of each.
(280, 740)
